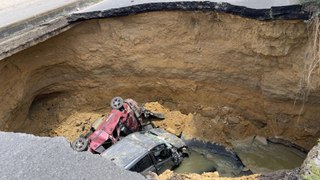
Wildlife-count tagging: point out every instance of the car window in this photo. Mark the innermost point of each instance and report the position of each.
(161, 153)
(143, 164)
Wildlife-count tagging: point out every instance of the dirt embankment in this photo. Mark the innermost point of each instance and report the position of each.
(233, 74)
(220, 129)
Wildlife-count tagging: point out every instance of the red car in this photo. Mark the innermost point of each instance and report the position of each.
(126, 117)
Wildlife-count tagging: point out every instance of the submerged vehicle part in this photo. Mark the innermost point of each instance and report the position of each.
(148, 151)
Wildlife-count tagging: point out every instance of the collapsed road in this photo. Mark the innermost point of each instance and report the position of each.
(26, 156)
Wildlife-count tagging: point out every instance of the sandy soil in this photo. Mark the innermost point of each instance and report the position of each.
(174, 121)
(211, 124)
(75, 125)
(169, 175)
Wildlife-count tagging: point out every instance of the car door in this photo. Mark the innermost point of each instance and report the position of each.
(144, 165)
(162, 156)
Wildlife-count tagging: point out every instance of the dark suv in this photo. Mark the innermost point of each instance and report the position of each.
(154, 150)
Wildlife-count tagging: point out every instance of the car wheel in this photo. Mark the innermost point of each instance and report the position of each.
(80, 144)
(116, 103)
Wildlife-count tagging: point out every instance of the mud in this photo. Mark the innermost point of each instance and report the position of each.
(202, 159)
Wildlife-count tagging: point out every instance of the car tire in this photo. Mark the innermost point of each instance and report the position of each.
(80, 144)
(116, 102)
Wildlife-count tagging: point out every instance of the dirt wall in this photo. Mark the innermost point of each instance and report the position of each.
(191, 61)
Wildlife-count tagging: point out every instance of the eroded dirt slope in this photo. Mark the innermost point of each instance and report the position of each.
(194, 62)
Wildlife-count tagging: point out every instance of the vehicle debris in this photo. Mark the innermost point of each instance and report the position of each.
(125, 118)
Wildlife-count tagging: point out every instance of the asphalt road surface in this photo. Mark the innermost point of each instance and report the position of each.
(256, 4)
(15, 11)
(24, 156)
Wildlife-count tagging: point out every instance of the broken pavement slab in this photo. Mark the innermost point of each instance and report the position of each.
(25, 156)
(261, 4)
(105, 9)
(25, 23)
(21, 11)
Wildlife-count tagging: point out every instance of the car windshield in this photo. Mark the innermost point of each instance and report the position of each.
(130, 148)
(122, 157)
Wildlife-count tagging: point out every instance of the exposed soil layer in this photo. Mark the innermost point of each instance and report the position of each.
(202, 126)
(238, 77)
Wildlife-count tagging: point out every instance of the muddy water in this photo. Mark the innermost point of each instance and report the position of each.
(260, 157)
(202, 160)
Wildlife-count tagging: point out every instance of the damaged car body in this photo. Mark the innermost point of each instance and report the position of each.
(154, 150)
(126, 117)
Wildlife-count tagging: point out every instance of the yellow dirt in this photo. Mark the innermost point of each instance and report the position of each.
(219, 129)
(75, 125)
(174, 121)
(169, 175)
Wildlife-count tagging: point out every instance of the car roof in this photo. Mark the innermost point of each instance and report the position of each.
(132, 147)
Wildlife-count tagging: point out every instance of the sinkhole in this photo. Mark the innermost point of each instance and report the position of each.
(217, 81)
